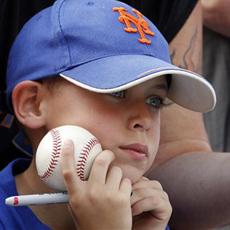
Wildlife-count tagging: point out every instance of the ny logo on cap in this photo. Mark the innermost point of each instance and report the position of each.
(141, 25)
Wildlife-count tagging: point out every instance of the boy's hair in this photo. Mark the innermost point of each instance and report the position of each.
(104, 46)
(51, 82)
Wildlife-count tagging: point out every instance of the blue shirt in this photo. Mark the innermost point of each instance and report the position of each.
(21, 217)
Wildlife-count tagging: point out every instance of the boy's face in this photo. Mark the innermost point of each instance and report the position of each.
(127, 122)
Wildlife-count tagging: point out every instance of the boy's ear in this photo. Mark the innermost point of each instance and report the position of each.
(26, 99)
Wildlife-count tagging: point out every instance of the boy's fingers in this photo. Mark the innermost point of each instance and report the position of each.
(100, 167)
(140, 194)
(114, 177)
(68, 165)
(144, 182)
(126, 186)
(158, 208)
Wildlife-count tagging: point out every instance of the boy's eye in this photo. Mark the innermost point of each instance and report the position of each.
(155, 102)
(120, 94)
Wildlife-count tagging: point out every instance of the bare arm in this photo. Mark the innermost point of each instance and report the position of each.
(196, 179)
(216, 15)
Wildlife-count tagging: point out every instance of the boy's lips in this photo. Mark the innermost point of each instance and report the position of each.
(138, 151)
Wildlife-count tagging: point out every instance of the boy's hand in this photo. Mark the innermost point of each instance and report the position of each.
(151, 208)
(101, 202)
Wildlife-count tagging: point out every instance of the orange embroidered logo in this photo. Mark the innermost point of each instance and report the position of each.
(141, 25)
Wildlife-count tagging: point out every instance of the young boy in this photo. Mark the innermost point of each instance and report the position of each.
(101, 65)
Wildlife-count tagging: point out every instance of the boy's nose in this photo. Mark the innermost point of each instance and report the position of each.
(142, 118)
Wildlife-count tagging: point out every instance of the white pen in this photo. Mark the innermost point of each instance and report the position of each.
(36, 199)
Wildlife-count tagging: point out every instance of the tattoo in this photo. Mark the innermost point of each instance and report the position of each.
(190, 60)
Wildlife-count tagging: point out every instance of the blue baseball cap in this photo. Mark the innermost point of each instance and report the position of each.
(104, 46)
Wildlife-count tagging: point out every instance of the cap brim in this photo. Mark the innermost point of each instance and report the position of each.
(116, 73)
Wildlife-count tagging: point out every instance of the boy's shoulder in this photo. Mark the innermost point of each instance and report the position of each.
(15, 217)
(7, 175)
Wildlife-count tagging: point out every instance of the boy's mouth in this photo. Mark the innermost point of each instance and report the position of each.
(137, 151)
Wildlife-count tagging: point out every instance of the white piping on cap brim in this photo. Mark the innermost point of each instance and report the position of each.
(147, 76)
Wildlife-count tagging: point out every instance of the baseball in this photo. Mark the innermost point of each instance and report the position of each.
(48, 155)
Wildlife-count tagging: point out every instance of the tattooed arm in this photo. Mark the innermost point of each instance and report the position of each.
(186, 47)
(196, 179)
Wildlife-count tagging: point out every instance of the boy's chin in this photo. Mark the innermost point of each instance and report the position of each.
(132, 173)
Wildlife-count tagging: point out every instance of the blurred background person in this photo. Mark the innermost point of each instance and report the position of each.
(216, 68)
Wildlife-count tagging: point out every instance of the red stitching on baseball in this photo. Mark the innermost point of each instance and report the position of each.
(84, 156)
(56, 151)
